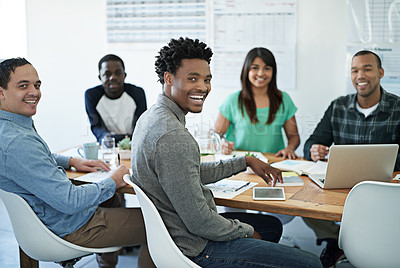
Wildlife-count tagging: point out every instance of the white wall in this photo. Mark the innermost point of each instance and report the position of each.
(67, 38)
(13, 29)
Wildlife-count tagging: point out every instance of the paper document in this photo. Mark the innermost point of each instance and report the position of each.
(288, 173)
(318, 168)
(290, 179)
(302, 166)
(96, 176)
(228, 189)
(93, 176)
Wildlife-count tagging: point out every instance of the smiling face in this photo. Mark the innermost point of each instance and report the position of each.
(260, 75)
(22, 94)
(366, 76)
(189, 87)
(112, 76)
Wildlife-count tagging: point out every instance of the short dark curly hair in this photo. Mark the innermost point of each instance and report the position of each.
(7, 67)
(170, 57)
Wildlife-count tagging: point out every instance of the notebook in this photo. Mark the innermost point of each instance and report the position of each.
(350, 164)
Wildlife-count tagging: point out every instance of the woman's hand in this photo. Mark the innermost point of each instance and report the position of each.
(227, 147)
(287, 153)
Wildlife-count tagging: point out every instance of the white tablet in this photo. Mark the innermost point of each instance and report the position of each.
(268, 193)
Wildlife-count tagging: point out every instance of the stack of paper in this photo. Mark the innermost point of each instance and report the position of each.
(290, 179)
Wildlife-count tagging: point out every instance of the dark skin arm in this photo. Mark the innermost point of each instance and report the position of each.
(269, 174)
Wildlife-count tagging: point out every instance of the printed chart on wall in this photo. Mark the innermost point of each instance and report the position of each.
(152, 22)
(230, 27)
(375, 25)
(239, 27)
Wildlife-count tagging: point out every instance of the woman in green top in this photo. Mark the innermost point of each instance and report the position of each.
(253, 117)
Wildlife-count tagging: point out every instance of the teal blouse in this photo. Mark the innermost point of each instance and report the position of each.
(259, 137)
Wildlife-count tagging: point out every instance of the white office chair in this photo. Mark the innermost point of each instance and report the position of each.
(369, 233)
(163, 250)
(36, 240)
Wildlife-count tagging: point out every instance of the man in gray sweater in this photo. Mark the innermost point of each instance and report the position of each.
(166, 165)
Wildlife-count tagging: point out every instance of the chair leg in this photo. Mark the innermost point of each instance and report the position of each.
(27, 262)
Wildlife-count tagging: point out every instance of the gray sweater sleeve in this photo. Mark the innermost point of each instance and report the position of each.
(214, 171)
(179, 171)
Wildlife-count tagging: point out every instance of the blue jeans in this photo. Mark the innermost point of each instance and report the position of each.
(269, 227)
(249, 252)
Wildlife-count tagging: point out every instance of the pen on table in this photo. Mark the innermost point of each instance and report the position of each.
(241, 187)
(119, 160)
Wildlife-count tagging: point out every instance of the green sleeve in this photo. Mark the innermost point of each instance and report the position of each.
(230, 106)
(290, 108)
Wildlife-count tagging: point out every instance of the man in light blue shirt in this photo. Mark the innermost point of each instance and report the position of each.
(29, 169)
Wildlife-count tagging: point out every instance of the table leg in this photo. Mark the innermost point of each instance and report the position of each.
(27, 262)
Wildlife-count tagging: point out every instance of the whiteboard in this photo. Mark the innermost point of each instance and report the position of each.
(375, 25)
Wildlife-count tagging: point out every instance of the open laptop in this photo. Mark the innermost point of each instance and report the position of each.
(350, 164)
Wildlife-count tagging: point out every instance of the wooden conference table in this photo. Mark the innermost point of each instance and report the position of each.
(308, 200)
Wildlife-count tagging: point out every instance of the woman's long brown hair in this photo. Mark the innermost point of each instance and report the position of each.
(246, 98)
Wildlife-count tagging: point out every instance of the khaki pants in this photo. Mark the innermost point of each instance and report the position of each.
(113, 225)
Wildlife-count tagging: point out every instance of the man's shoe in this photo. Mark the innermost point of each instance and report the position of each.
(331, 253)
